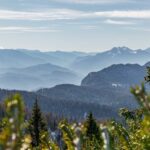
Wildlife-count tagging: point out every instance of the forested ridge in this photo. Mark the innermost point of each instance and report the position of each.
(22, 130)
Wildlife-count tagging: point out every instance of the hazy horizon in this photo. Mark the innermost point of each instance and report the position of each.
(80, 51)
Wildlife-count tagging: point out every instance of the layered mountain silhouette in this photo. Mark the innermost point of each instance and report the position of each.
(108, 87)
(19, 58)
(37, 76)
(33, 69)
(104, 89)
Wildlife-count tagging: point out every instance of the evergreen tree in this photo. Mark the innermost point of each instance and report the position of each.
(93, 131)
(37, 125)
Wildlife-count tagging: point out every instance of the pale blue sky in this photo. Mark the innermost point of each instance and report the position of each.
(80, 25)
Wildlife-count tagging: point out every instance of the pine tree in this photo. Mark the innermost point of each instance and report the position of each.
(93, 131)
(37, 125)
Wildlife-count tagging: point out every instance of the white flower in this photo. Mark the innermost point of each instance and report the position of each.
(11, 120)
(137, 91)
(76, 141)
(73, 126)
(24, 146)
(13, 136)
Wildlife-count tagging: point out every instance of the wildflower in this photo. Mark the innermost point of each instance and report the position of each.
(13, 136)
(76, 141)
(11, 120)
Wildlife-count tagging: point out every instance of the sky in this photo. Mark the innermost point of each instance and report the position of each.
(74, 25)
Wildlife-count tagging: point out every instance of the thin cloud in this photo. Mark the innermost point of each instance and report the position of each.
(118, 22)
(70, 14)
(26, 29)
(137, 14)
(54, 14)
(93, 1)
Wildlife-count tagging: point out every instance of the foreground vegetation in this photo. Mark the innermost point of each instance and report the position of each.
(131, 133)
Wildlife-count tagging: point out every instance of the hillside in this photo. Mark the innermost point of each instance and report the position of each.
(62, 107)
(119, 75)
(112, 97)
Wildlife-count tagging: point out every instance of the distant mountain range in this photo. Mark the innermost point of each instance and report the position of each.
(20, 58)
(37, 76)
(33, 69)
(56, 78)
(117, 55)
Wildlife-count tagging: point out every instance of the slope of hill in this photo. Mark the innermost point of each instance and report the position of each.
(112, 97)
(62, 107)
(116, 75)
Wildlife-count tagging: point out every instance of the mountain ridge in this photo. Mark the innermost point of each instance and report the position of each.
(84, 63)
(117, 55)
(121, 74)
(37, 76)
